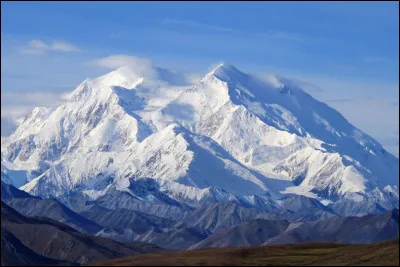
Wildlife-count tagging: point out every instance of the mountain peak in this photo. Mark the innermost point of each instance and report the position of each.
(235, 121)
(224, 66)
(125, 76)
(150, 74)
(228, 73)
(225, 69)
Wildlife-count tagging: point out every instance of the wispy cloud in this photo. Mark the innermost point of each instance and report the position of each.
(141, 66)
(8, 125)
(17, 104)
(274, 35)
(39, 47)
(280, 35)
(391, 143)
(343, 67)
(35, 47)
(116, 61)
(144, 67)
(64, 46)
(38, 44)
(306, 86)
(363, 103)
(374, 116)
(375, 59)
(199, 24)
(340, 100)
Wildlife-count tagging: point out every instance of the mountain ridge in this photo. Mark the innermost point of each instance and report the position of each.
(256, 138)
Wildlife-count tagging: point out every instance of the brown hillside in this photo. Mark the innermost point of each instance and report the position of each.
(383, 253)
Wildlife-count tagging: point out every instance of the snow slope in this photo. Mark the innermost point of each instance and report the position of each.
(228, 137)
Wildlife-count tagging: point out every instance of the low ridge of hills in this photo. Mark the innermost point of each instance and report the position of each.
(307, 254)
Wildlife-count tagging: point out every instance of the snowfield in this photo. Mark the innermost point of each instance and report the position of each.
(229, 137)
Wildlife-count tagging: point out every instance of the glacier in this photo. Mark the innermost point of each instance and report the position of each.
(230, 137)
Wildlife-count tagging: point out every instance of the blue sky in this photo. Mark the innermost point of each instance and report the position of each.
(345, 53)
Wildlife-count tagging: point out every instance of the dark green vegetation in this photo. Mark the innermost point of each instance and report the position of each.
(382, 253)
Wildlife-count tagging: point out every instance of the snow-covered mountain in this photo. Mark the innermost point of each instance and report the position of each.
(231, 137)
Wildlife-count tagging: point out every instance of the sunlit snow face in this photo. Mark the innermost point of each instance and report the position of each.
(229, 130)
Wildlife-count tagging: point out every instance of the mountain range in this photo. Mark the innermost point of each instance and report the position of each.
(152, 136)
(229, 160)
(25, 217)
(40, 240)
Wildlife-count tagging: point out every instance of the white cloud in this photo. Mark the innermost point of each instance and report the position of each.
(141, 66)
(306, 86)
(15, 105)
(38, 44)
(144, 67)
(64, 46)
(194, 77)
(8, 125)
(65, 96)
(116, 61)
(215, 65)
(37, 98)
(35, 47)
(16, 111)
(32, 51)
(38, 47)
